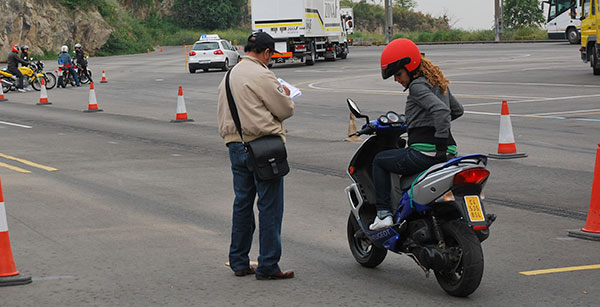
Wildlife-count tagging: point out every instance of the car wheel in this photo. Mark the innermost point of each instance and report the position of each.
(226, 65)
(192, 70)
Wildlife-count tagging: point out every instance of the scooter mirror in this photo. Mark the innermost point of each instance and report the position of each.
(354, 108)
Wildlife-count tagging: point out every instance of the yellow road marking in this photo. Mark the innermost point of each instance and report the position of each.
(14, 168)
(578, 114)
(26, 162)
(560, 270)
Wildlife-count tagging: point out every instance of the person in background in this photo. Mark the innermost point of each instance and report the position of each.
(81, 61)
(25, 54)
(13, 67)
(67, 63)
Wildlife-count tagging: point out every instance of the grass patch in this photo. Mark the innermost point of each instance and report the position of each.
(525, 33)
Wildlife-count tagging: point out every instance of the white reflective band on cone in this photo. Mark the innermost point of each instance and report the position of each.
(3, 223)
(180, 105)
(506, 132)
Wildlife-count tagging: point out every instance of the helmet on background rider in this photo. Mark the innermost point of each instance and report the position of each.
(398, 54)
(24, 48)
(64, 49)
(15, 48)
(77, 46)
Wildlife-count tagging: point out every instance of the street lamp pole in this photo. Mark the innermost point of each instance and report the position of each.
(389, 23)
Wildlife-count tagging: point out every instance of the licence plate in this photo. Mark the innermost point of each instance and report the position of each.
(203, 61)
(474, 208)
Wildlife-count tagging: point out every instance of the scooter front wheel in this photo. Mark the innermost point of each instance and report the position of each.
(466, 276)
(362, 248)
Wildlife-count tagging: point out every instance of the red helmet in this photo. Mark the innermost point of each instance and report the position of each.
(400, 53)
(15, 48)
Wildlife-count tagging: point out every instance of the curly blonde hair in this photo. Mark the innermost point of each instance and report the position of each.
(433, 73)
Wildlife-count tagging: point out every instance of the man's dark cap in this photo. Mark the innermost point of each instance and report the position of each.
(263, 40)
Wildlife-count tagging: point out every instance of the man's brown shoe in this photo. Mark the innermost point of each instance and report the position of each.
(245, 272)
(278, 275)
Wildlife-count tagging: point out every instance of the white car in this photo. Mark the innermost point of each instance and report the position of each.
(212, 52)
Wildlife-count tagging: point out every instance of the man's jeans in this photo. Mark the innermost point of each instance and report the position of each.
(270, 207)
(404, 161)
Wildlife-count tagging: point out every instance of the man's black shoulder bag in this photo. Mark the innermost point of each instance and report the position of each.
(267, 154)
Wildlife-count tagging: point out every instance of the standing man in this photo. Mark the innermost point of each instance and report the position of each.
(263, 104)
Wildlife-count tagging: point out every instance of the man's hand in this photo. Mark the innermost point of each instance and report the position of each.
(286, 89)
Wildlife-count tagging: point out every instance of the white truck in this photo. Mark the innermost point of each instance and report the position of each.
(303, 30)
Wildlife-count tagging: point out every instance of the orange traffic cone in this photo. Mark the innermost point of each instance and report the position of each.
(92, 105)
(181, 111)
(352, 130)
(507, 149)
(2, 93)
(591, 231)
(103, 77)
(43, 94)
(9, 276)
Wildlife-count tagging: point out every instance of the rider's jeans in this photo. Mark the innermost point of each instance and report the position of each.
(270, 208)
(75, 76)
(19, 75)
(404, 161)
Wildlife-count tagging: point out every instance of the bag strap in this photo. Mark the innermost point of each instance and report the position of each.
(232, 107)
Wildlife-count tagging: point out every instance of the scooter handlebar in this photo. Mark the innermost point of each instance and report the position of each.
(368, 129)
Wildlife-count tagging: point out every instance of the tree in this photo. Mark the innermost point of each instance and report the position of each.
(520, 13)
(405, 4)
(208, 14)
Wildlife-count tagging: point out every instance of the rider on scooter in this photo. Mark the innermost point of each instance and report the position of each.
(429, 109)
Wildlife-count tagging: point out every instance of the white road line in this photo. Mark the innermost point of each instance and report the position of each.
(313, 86)
(566, 112)
(530, 84)
(16, 125)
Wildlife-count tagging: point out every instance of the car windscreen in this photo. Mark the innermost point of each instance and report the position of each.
(206, 46)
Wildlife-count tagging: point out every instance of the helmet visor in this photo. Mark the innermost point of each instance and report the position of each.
(394, 67)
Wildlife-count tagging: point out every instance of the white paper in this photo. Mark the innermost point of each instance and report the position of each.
(294, 91)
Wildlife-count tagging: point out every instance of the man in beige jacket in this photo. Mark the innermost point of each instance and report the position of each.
(263, 104)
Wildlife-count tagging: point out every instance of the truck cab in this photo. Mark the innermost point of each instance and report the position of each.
(589, 34)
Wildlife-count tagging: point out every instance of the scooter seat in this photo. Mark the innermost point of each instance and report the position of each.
(406, 181)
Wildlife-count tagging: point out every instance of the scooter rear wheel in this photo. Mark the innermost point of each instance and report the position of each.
(466, 276)
(363, 250)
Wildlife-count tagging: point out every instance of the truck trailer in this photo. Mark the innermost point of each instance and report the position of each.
(304, 30)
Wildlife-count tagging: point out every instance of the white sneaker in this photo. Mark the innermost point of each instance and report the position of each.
(380, 224)
(21, 90)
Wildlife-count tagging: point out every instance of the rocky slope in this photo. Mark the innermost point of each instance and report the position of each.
(47, 25)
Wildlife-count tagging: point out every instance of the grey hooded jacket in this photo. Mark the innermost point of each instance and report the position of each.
(429, 112)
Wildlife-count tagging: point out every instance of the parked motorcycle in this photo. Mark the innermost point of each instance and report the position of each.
(49, 77)
(439, 217)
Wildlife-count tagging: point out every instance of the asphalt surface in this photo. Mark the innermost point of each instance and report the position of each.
(138, 212)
